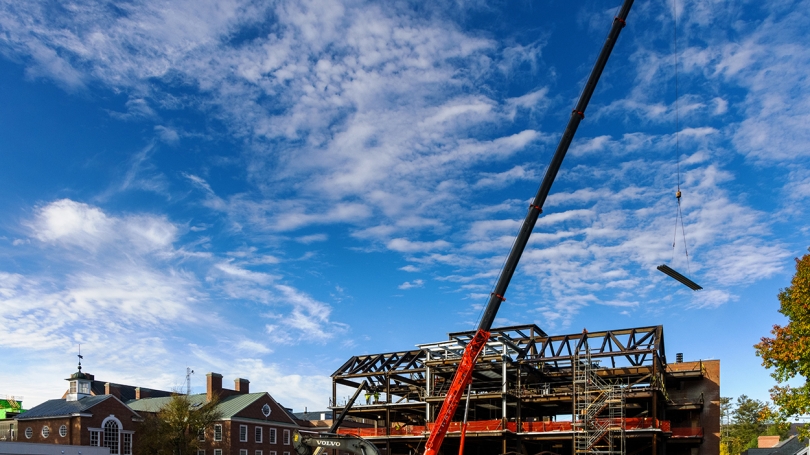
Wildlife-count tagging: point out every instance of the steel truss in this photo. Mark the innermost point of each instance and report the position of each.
(523, 389)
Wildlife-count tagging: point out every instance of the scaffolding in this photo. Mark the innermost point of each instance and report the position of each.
(599, 420)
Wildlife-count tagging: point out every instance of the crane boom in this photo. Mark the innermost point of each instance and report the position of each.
(463, 374)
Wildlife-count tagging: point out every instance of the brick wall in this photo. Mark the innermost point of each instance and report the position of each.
(77, 428)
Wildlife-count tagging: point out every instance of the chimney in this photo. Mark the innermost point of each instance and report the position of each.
(766, 442)
(241, 385)
(213, 385)
(112, 389)
(141, 393)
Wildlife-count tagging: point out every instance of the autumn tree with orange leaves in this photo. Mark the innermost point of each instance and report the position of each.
(788, 352)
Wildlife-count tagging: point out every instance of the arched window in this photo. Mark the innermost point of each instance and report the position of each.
(111, 430)
(113, 436)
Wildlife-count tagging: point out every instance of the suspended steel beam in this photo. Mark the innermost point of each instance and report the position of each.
(680, 278)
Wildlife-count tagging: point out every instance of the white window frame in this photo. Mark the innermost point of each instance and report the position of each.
(258, 452)
(95, 434)
(286, 439)
(200, 451)
(201, 435)
(99, 432)
(218, 434)
(217, 451)
(126, 443)
(242, 451)
(258, 434)
(271, 437)
(272, 452)
(243, 434)
(63, 431)
(46, 431)
(29, 433)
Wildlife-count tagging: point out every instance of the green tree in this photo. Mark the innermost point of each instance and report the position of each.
(174, 429)
(725, 425)
(788, 352)
(748, 423)
(744, 421)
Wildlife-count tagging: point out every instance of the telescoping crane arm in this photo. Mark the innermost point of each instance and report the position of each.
(464, 372)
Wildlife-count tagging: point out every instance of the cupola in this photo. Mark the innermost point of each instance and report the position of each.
(79, 384)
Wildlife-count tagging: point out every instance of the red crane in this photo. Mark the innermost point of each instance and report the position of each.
(463, 374)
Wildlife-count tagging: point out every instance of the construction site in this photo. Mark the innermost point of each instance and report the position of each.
(606, 392)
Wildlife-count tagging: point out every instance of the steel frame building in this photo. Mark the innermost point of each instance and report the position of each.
(531, 392)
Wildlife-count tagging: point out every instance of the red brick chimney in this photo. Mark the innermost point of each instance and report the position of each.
(241, 385)
(141, 393)
(766, 442)
(213, 385)
(112, 389)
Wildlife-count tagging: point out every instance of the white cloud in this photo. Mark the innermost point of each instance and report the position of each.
(412, 284)
(73, 223)
(309, 319)
(307, 239)
(407, 246)
(70, 223)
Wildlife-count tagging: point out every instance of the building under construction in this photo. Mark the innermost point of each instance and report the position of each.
(610, 392)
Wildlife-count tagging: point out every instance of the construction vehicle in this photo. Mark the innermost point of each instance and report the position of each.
(313, 443)
(463, 375)
(306, 443)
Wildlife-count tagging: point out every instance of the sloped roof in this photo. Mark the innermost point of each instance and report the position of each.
(313, 415)
(229, 406)
(61, 407)
(154, 404)
(790, 446)
(127, 392)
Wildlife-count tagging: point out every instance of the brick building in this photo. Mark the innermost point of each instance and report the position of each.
(102, 414)
(81, 418)
(251, 424)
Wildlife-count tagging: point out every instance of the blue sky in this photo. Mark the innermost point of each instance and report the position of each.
(264, 189)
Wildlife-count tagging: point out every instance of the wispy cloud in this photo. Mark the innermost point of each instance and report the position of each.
(411, 284)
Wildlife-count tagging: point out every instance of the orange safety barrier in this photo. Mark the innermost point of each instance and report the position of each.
(472, 426)
(631, 423)
(546, 426)
(687, 432)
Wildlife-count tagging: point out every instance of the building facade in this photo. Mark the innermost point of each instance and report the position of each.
(251, 423)
(81, 418)
(93, 413)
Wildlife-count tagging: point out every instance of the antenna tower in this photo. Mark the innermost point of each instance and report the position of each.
(189, 372)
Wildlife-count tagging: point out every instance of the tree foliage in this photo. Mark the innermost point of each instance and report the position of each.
(174, 429)
(788, 351)
(744, 421)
